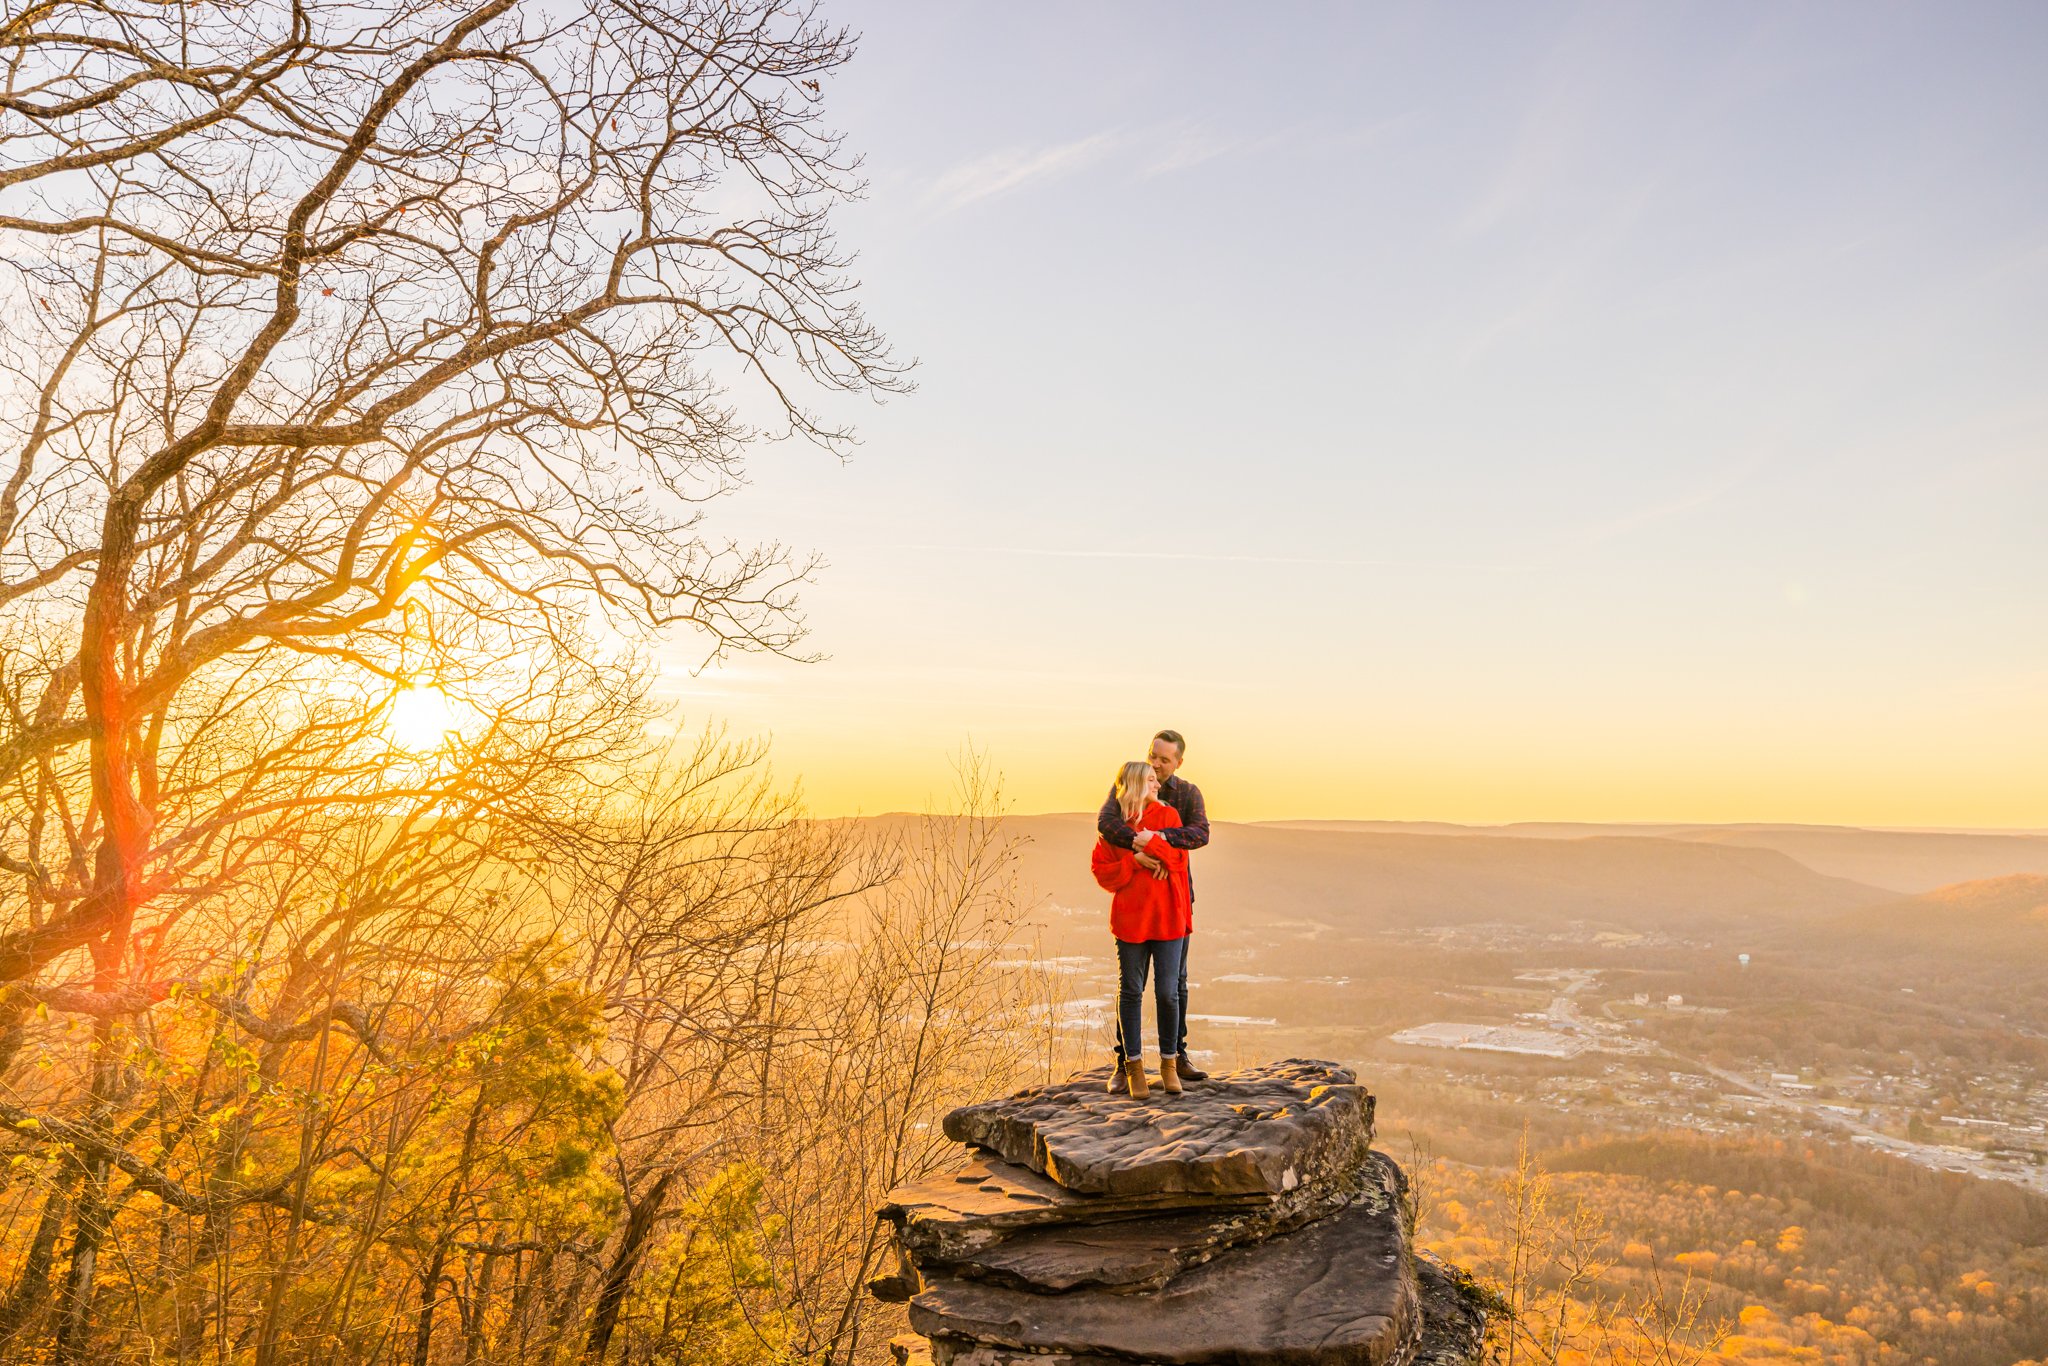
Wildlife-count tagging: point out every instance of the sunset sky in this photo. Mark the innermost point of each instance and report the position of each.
(1449, 412)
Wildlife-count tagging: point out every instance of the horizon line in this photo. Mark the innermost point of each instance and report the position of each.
(1986, 830)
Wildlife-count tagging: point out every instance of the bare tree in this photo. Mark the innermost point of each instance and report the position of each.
(920, 1013)
(359, 352)
(331, 311)
(704, 909)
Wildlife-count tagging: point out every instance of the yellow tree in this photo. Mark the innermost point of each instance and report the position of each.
(1548, 1264)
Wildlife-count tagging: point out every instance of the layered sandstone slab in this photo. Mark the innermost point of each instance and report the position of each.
(1126, 1254)
(950, 1215)
(1246, 1221)
(995, 1221)
(1262, 1131)
(1334, 1292)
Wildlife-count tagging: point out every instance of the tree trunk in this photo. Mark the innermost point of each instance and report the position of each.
(618, 1278)
(74, 1320)
(74, 1314)
(479, 1305)
(430, 1278)
(34, 1285)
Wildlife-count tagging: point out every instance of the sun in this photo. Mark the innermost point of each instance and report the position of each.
(422, 719)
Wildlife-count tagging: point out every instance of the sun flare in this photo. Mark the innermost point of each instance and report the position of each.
(422, 719)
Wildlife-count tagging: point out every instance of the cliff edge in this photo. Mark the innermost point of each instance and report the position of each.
(1246, 1222)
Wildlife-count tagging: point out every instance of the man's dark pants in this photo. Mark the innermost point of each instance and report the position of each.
(1182, 1042)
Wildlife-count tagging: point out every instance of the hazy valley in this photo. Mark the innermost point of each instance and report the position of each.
(1881, 1056)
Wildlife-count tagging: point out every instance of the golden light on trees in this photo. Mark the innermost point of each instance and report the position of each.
(354, 345)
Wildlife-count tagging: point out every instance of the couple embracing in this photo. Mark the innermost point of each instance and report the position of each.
(1153, 819)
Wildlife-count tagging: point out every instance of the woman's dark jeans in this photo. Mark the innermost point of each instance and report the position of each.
(1162, 957)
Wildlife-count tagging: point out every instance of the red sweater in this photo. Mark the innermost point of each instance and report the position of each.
(1145, 907)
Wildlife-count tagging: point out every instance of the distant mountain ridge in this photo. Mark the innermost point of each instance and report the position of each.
(1999, 919)
(1367, 876)
(1899, 860)
(1367, 881)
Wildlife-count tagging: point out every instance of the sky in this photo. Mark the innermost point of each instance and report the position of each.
(1450, 412)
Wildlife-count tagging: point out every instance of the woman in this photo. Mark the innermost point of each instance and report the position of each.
(1151, 917)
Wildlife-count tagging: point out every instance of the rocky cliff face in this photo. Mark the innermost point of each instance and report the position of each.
(1246, 1222)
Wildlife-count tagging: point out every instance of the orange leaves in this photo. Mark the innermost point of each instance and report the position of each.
(1836, 1286)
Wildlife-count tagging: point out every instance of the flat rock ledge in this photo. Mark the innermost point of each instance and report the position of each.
(1263, 1131)
(1246, 1222)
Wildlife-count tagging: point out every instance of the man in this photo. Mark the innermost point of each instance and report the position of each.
(1168, 749)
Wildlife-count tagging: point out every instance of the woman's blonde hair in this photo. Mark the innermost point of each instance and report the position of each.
(1130, 788)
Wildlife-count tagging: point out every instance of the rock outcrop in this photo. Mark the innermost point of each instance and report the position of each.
(1247, 1222)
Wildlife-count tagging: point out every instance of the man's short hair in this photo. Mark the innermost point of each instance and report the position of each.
(1173, 737)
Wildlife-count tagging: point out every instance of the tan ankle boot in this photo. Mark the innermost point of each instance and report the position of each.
(1134, 1073)
(1169, 1075)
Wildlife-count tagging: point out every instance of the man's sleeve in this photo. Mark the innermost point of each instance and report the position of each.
(1111, 825)
(1193, 830)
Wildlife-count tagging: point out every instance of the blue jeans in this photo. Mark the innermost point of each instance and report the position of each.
(1182, 985)
(1162, 957)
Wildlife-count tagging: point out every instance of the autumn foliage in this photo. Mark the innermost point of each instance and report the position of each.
(1797, 1254)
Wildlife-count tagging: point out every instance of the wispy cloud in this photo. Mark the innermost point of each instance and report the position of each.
(1184, 145)
(1318, 560)
(1001, 172)
(1185, 149)
(1156, 150)
(1150, 151)
(1559, 124)
(1544, 144)
(1723, 483)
